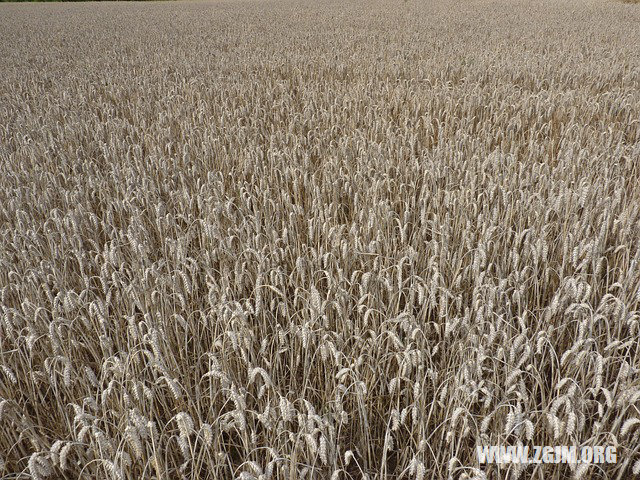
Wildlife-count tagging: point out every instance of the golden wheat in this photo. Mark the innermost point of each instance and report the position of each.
(318, 240)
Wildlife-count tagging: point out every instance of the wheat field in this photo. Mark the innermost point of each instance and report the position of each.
(333, 240)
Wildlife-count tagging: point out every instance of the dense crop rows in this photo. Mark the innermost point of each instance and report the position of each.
(339, 240)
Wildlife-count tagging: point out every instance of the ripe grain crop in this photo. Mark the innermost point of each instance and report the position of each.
(342, 240)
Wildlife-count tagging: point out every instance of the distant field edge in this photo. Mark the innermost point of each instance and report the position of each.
(69, 1)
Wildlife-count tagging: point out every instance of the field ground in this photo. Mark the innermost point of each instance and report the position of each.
(336, 240)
